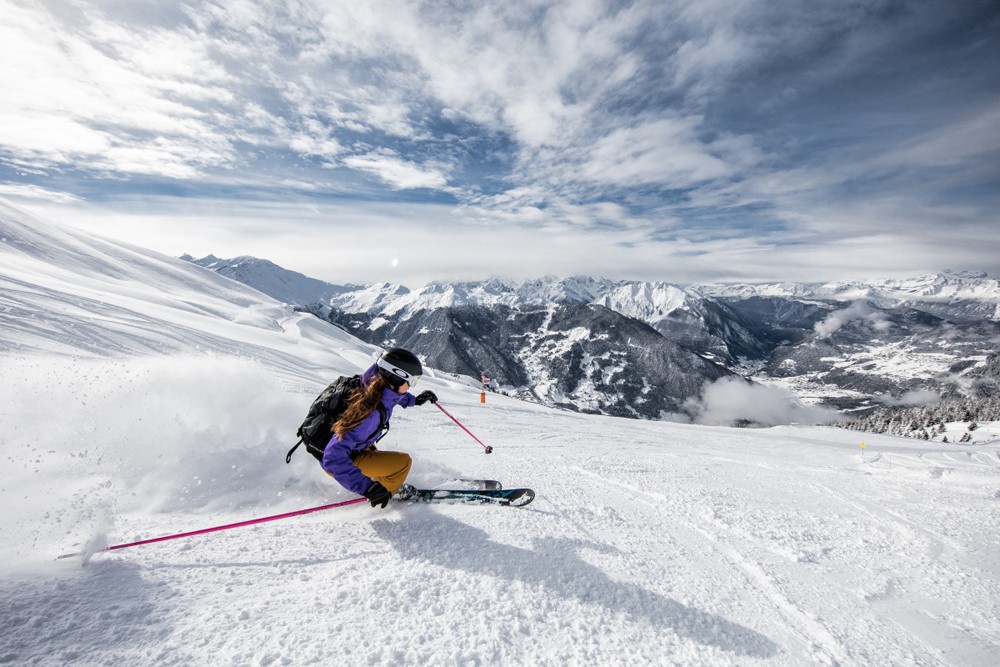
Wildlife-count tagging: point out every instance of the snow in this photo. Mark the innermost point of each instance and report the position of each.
(648, 302)
(145, 396)
(981, 432)
(946, 287)
(645, 301)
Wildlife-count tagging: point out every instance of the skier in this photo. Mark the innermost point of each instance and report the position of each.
(351, 457)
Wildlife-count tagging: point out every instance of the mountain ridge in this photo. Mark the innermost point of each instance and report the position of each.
(946, 286)
(842, 344)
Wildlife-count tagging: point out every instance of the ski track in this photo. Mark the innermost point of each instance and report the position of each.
(822, 641)
(809, 631)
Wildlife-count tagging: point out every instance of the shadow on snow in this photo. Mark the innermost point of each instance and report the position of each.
(554, 564)
(104, 610)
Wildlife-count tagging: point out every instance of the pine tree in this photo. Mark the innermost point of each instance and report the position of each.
(914, 422)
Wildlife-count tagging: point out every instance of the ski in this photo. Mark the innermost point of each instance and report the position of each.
(490, 484)
(508, 497)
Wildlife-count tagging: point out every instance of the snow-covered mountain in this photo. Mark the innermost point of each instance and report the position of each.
(648, 302)
(848, 345)
(548, 339)
(143, 396)
(957, 294)
(278, 283)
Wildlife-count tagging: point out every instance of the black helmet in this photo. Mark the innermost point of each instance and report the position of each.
(397, 366)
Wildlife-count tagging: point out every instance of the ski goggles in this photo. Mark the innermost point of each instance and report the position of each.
(397, 374)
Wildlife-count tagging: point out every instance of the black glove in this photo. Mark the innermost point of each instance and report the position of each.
(378, 494)
(425, 396)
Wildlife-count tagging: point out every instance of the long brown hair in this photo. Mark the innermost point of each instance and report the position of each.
(360, 403)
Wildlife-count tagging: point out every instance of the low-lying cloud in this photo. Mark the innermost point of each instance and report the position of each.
(910, 399)
(859, 310)
(731, 401)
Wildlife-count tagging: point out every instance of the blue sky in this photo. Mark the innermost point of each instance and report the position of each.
(744, 140)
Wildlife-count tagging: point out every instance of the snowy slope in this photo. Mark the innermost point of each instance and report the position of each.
(277, 282)
(143, 397)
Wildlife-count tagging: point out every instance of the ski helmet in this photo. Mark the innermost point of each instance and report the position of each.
(397, 366)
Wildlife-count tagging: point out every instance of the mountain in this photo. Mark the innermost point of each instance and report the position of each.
(577, 356)
(563, 341)
(958, 295)
(278, 283)
(544, 340)
(145, 397)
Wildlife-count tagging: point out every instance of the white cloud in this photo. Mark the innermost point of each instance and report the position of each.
(315, 139)
(973, 136)
(354, 241)
(534, 70)
(21, 191)
(913, 398)
(731, 400)
(859, 310)
(398, 173)
(50, 140)
(106, 97)
(437, 241)
(666, 151)
(703, 58)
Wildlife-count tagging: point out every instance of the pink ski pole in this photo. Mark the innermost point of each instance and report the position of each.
(228, 526)
(489, 450)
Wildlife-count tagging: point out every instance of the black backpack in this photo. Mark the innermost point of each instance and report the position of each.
(316, 430)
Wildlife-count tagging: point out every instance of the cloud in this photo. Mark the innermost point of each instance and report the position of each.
(748, 139)
(110, 98)
(19, 191)
(964, 144)
(729, 401)
(398, 173)
(913, 398)
(348, 241)
(665, 151)
(438, 241)
(534, 70)
(313, 138)
(859, 310)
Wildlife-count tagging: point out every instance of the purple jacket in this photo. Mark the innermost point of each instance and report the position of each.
(336, 457)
